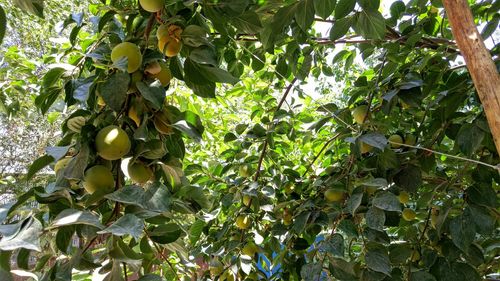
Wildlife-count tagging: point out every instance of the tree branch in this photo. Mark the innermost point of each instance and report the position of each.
(264, 148)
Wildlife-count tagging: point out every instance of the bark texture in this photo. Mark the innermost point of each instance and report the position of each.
(478, 60)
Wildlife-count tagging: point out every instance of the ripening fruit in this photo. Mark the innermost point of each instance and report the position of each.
(243, 221)
(100, 101)
(164, 75)
(365, 148)
(169, 39)
(287, 217)
(415, 256)
(131, 52)
(61, 164)
(333, 195)
(169, 46)
(132, 114)
(153, 68)
(247, 200)
(434, 217)
(410, 139)
(408, 214)
(112, 143)
(289, 187)
(245, 170)
(404, 197)
(139, 172)
(152, 6)
(359, 113)
(98, 178)
(250, 249)
(395, 141)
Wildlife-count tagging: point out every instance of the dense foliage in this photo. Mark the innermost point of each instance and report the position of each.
(237, 140)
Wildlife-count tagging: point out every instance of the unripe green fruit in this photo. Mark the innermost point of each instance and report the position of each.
(131, 52)
(98, 178)
(245, 170)
(410, 139)
(152, 6)
(359, 113)
(404, 197)
(243, 221)
(333, 195)
(365, 148)
(395, 141)
(139, 173)
(247, 200)
(112, 143)
(408, 214)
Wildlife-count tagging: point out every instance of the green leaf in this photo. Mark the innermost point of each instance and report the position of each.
(76, 217)
(342, 269)
(27, 237)
(129, 194)
(372, 5)
(374, 139)
(248, 22)
(370, 24)
(64, 237)
(52, 76)
(38, 165)
(114, 90)
(31, 6)
(483, 219)
(195, 231)
(409, 178)
(3, 24)
(469, 139)
(377, 259)
(324, 8)
(154, 93)
(375, 218)
(300, 222)
(126, 225)
(157, 198)
(57, 152)
(215, 74)
(151, 277)
(482, 194)
(397, 8)
(340, 28)
(335, 245)
(462, 231)
(5, 261)
(354, 202)
(343, 8)
(165, 233)
(305, 14)
(386, 201)
(422, 276)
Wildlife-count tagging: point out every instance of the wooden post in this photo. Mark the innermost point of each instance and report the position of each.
(478, 60)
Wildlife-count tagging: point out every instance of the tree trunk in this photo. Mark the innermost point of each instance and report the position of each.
(478, 60)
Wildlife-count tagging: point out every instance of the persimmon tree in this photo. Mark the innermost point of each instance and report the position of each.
(237, 140)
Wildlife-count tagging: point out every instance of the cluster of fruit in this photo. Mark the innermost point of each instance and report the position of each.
(112, 142)
(360, 115)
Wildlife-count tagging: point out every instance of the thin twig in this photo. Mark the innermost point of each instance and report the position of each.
(265, 145)
(497, 167)
(319, 153)
(125, 271)
(372, 93)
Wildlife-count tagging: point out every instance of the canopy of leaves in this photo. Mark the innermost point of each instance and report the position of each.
(258, 165)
